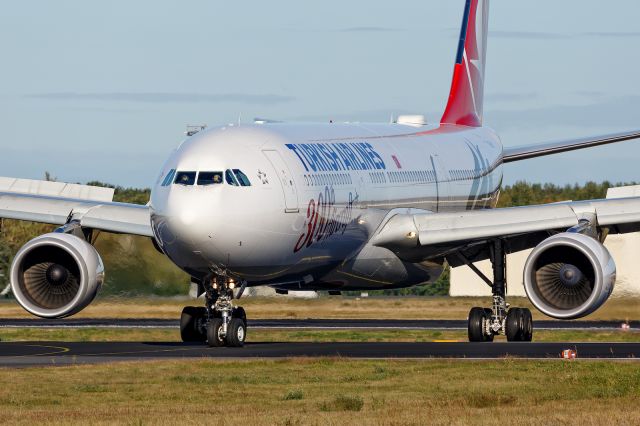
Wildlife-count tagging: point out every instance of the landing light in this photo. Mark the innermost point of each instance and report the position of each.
(411, 235)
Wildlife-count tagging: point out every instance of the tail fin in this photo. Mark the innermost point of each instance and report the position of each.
(467, 88)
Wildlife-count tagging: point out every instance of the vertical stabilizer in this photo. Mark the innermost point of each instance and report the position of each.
(467, 88)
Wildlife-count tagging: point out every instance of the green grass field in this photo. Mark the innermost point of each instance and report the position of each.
(324, 391)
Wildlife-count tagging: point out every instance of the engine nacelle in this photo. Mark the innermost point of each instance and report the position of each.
(569, 275)
(56, 275)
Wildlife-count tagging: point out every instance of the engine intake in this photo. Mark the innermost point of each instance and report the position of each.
(56, 275)
(569, 275)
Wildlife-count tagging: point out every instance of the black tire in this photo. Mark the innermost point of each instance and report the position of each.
(236, 333)
(239, 312)
(527, 323)
(476, 321)
(213, 333)
(191, 324)
(514, 325)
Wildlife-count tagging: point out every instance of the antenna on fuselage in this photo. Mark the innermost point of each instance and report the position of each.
(192, 130)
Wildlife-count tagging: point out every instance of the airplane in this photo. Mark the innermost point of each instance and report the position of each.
(334, 207)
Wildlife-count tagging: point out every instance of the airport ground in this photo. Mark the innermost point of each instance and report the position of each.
(323, 307)
(426, 308)
(325, 390)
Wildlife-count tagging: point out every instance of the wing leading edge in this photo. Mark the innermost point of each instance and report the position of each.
(531, 151)
(428, 235)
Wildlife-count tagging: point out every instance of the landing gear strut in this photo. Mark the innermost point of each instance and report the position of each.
(485, 323)
(219, 323)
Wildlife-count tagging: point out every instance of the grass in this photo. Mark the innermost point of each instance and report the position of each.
(295, 394)
(343, 403)
(306, 335)
(324, 391)
(324, 307)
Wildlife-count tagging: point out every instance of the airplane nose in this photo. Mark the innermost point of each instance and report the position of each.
(196, 224)
(189, 211)
(184, 213)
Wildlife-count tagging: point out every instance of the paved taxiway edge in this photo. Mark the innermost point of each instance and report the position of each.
(20, 354)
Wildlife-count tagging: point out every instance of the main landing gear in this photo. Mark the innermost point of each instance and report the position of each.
(485, 323)
(219, 323)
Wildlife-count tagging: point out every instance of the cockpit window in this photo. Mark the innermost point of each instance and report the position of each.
(209, 178)
(185, 178)
(230, 178)
(242, 178)
(169, 177)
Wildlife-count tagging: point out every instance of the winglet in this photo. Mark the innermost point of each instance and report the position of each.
(467, 88)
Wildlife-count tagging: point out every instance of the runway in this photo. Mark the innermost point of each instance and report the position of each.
(23, 354)
(303, 323)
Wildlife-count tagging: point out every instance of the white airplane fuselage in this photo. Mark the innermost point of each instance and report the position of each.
(317, 193)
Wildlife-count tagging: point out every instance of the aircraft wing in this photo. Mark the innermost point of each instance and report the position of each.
(538, 150)
(58, 203)
(417, 237)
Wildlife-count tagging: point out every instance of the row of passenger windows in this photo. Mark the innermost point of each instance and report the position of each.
(327, 179)
(234, 177)
(463, 174)
(417, 176)
(378, 177)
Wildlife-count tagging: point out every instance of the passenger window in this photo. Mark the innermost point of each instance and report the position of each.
(185, 178)
(231, 180)
(242, 178)
(209, 178)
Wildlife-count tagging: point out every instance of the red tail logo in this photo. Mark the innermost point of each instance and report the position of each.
(467, 88)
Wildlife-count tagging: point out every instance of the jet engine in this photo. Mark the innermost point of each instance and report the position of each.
(569, 275)
(56, 275)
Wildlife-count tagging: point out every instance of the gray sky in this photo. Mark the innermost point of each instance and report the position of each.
(103, 90)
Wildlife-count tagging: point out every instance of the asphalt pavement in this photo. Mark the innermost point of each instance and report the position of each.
(22, 354)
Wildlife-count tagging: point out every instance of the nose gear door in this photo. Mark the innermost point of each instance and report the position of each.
(286, 180)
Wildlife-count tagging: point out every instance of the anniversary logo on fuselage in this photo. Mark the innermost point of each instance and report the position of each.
(324, 219)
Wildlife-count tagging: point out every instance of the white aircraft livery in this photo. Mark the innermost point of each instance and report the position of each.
(334, 207)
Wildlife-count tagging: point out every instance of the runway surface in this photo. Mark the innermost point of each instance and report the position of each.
(22, 354)
(305, 323)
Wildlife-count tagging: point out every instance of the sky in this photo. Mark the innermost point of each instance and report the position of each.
(104, 90)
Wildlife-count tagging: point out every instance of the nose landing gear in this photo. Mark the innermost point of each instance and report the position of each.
(219, 323)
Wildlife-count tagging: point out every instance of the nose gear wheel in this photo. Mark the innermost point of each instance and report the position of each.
(219, 323)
